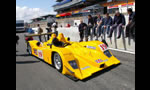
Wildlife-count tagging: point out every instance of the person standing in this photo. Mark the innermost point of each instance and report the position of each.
(89, 27)
(55, 25)
(131, 24)
(82, 27)
(40, 31)
(49, 30)
(119, 23)
(94, 27)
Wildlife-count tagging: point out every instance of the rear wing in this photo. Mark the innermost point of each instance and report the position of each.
(35, 35)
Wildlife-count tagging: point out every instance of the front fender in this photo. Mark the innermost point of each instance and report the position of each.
(66, 55)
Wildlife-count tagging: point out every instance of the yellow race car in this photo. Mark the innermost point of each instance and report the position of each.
(78, 60)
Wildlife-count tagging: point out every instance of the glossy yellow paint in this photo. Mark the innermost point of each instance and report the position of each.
(84, 53)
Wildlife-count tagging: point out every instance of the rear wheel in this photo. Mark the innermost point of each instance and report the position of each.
(29, 49)
(57, 62)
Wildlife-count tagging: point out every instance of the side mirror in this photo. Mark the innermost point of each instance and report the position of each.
(50, 45)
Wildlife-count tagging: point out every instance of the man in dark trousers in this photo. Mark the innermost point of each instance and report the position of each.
(119, 23)
(82, 28)
(49, 29)
(107, 22)
(97, 26)
(131, 24)
(89, 27)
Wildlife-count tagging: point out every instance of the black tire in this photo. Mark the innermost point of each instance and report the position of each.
(57, 61)
(29, 50)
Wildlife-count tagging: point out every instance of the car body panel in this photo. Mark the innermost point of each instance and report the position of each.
(89, 56)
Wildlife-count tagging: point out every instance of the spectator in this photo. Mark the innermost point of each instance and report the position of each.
(107, 22)
(82, 28)
(98, 26)
(40, 31)
(95, 20)
(95, 24)
(118, 22)
(55, 25)
(49, 30)
(89, 27)
(131, 24)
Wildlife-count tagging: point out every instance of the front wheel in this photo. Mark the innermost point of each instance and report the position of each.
(58, 62)
(29, 49)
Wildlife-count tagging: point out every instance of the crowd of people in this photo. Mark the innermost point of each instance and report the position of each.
(98, 25)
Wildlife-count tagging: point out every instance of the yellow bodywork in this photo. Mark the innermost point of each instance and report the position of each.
(85, 54)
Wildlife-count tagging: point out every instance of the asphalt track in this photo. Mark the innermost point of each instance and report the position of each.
(34, 74)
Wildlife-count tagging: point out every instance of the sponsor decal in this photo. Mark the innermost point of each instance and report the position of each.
(85, 67)
(99, 60)
(35, 51)
(105, 60)
(40, 54)
(91, 47)
(103, 47)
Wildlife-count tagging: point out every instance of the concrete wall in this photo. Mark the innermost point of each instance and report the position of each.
(121, 43)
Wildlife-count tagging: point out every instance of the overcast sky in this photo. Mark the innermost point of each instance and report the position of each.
(28, 9)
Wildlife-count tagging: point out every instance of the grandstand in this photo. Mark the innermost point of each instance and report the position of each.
(70, 10)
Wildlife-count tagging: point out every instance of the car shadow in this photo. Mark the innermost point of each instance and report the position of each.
(100, 72)
(26, 62)
(44, 62)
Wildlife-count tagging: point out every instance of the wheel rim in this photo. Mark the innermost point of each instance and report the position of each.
(29, 49)
(57, 61)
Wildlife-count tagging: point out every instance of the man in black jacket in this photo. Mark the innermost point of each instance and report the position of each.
(131, 24)
(118, 22)
(82, 28)
(89, 27)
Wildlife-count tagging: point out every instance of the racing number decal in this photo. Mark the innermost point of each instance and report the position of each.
(103, 47)
(40, 54)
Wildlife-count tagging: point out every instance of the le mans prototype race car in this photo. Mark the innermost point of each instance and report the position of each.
(78, 60)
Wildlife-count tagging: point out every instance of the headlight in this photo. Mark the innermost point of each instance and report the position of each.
(73, 64)
(107, 53)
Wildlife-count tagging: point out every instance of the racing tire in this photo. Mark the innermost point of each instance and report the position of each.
(57, 62)
(29, 50)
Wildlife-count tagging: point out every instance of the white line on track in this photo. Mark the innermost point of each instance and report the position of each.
(122, 50)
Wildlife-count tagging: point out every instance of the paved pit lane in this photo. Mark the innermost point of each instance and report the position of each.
(34, 74)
